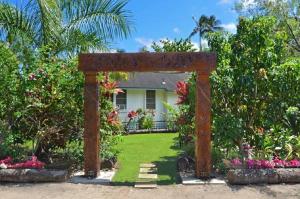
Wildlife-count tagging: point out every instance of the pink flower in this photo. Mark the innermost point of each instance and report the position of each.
(294, 163)
(279, 163)
(34, 163)
(251, 164)
(236, 162)
(7, 160)
(265, 164)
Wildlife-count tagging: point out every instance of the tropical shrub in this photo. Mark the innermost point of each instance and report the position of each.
(255, 92)
(43, 106)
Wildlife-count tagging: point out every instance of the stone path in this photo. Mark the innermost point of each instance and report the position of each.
(147, 178)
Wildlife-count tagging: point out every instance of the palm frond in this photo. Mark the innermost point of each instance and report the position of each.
(15, 23)
(105, 18)
(45, 15)
(78, 42)
(194, 32)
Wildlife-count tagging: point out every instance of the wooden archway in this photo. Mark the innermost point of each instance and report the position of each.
(202, 63)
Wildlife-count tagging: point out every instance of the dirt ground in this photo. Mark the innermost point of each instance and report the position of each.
(79, 191)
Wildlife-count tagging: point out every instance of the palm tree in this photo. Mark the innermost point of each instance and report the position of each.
(67, 26)
(204, 25)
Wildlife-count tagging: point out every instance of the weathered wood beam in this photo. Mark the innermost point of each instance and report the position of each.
(203, 126)
(91, 125)
(179, 61)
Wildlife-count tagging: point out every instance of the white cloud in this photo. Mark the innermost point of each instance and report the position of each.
(144, 41)
(225, 1)
(176, 30)
(248, 3)
(231, 27)
(204, 43)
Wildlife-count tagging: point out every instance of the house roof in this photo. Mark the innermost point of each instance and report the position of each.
(154, 80)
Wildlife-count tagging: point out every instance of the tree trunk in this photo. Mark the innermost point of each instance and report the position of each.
(200, 42)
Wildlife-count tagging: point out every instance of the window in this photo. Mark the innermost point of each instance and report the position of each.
(121, 100)
(150, 99)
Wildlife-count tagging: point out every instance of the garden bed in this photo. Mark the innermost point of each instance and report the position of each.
(31, 170)
(33, 175)
(263, 176)
(263, 171)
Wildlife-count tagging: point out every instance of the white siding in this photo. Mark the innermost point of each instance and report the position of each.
(136, 98)
(160, 109)
(172, 98)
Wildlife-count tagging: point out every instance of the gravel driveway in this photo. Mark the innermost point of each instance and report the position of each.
(79, 191)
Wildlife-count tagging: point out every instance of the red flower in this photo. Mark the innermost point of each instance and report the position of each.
(113, 118)
(111, 87)
(32, 76)
(132, 114)
(182, 91)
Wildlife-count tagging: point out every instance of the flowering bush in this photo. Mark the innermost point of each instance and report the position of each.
(34, 163)
(7, 160)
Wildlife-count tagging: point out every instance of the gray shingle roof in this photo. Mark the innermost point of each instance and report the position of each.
(154, 80)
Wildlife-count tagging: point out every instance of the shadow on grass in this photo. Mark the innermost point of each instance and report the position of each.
(167, 171)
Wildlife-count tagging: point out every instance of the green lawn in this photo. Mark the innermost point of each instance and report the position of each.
(157, 148)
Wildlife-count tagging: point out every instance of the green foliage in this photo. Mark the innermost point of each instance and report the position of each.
(286, 12)
(171, 116)
(148, 122)
(255, 91)
(173, 46)
(43, 103)
(9, 102)
(241, 93)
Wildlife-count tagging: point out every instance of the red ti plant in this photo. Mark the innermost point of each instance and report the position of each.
(182, 91)
(131, 115)
(110, 87)
(112, 118)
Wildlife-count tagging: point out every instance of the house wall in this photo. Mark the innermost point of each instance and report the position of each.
(172, 98)
(136, 98)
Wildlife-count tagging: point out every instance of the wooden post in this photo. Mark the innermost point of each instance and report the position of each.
(203, 126)
(91, 125)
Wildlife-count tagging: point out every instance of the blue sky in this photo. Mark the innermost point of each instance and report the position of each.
(159, 19)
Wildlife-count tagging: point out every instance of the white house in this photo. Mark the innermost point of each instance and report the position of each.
(148, 91)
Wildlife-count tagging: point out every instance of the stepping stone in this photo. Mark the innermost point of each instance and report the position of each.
(147, 165)
(148, 170)
(146, 183)
(147, 176)
(145, 186)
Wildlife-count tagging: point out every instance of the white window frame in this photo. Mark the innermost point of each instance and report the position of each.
(155, 104)
(122, 107)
